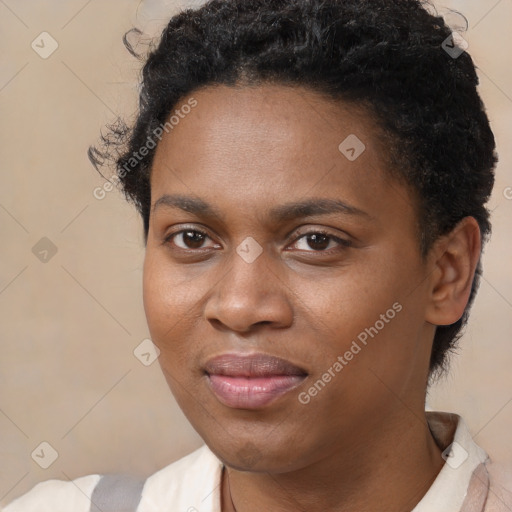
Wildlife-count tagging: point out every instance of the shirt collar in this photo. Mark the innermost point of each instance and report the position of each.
(462, 456)
(193, 482)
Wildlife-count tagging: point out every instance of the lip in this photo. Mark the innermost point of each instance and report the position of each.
(251, 381)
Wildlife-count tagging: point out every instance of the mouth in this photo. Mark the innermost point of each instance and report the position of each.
(251, 381)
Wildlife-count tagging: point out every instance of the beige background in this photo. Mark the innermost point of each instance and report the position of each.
(68, 375)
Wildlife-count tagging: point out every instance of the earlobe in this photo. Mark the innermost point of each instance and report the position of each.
(456, 257)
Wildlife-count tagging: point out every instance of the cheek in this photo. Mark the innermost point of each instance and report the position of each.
(169, 310)
(167, 294)
(165, 303)
(173, 304)
(154, 294)
(344, 307)
(366, 315)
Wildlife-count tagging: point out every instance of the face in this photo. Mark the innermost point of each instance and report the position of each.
(283, 282)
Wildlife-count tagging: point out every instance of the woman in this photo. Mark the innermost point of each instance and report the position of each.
(312, 177)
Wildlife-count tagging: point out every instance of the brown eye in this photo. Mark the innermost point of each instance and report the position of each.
(188, 239)
(192, 239)
(320, 241)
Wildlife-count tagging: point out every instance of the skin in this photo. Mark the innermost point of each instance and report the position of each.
(362, 443)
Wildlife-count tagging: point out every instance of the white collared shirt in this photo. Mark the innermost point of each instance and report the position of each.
(192, 484)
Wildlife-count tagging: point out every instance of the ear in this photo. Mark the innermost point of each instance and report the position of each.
(454, 260)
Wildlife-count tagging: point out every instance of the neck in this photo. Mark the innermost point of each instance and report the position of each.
(391, 471)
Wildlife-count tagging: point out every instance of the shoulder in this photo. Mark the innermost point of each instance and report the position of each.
(192, 478)
(500, 490)
(57, 496)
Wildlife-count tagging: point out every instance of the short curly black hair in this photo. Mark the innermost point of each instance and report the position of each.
(391, 57)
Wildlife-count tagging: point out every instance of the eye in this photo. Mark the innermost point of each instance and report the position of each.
(190, 239)
(320, 241)
(187, 239)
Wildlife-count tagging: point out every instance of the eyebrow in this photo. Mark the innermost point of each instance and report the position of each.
(284, 212)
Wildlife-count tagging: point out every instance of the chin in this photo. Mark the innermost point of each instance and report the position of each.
(249, 453)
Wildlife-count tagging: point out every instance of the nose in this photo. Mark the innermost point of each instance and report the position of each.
(250, 294)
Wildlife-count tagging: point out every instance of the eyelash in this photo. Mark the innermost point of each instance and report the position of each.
(343, 243)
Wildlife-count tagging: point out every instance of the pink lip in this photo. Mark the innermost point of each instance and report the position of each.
(251, 381)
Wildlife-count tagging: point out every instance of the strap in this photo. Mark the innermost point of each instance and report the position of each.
(478, 490)
(117, 493)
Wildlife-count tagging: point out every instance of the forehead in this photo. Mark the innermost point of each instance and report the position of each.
(254, 146)
(260, 121)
